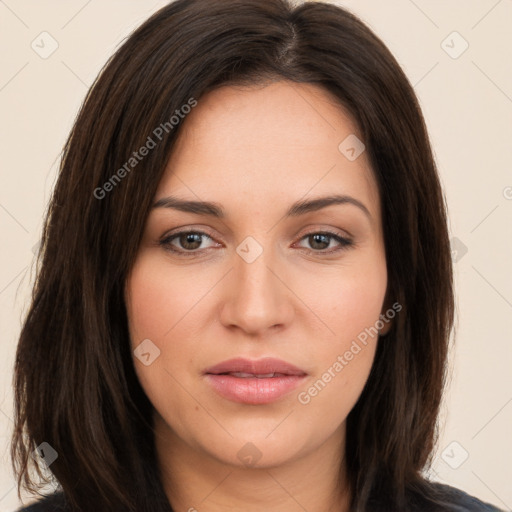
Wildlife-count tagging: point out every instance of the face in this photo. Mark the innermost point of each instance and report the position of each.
(255, 278)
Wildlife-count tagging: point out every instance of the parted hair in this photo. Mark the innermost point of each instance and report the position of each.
(75, 386)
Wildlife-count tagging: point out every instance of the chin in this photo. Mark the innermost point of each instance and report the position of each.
(257, 454)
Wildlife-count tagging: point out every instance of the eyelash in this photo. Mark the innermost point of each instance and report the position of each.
(345, 243)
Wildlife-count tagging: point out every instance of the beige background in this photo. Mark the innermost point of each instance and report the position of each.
(467, 101)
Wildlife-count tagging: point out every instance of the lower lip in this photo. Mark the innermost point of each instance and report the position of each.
(253, 390)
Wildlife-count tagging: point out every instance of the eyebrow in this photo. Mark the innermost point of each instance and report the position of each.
(298, 208)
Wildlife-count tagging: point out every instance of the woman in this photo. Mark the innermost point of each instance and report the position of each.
(245, 293)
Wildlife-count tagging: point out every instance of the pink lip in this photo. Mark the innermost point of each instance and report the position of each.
(259, 366)
(254, 390)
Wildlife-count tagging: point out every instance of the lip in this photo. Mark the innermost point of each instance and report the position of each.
(257, 366)
(254, 390)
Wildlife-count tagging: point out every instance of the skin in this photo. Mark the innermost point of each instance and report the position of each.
(255, 151)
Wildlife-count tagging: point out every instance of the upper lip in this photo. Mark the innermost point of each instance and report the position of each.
(257, 367)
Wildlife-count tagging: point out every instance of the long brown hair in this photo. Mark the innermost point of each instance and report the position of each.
(75, 384)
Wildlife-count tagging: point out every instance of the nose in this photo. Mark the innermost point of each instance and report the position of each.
(258, 296)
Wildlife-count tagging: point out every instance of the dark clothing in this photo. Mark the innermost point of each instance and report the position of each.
(52, 503)
(456, 499)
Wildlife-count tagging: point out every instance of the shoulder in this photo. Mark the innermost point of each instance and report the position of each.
(456, 500)
(51, 503)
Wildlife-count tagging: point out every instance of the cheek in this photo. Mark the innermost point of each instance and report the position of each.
(160, 303)
(333, 393)
(159, 300)
(346, 301)
(343, 360)
(348, 306)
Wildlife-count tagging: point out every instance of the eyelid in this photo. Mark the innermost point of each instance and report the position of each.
(316, 228)
(344, 241)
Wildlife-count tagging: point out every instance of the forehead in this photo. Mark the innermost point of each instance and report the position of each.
(267, 144)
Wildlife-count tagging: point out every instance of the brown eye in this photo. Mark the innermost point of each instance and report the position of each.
(188, 243)
(184, 241)
(319, 241)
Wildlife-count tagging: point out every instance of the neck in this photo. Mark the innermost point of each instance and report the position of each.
(195, 480)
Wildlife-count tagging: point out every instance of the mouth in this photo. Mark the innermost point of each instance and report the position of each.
(254, 382)
(267, 367)
(242, 375)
